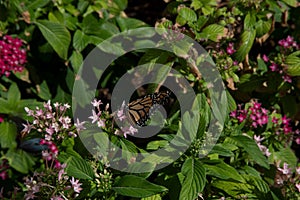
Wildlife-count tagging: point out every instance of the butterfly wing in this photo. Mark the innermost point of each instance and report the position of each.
(139, 110)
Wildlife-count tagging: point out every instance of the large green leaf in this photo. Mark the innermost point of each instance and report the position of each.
(223, 171)
(44, 91)
(232, 188)
(285, 155)
(249, 21)
(194, 180)
(293, 62)
(212, 32)
(292, 3)
(76, 60)
(13, 95)
(57, 36)
(20, 160)
(77, 167)
(8, 133)
(129, 23)
(247, 40)
(187, 14)
(134, 186)
(252, 149)
(263, 27)
(260, 184)
(80, 40)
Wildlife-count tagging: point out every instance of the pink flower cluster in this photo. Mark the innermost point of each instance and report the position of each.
(258, 116)
(53, 183)
(275, 68)
(262, 147)
(288, 42)
(285, 175)
(96, 117)
(53, 125)
(230, 49)
(12, 55)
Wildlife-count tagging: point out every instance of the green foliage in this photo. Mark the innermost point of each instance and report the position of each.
(254, 45)
(134, 186)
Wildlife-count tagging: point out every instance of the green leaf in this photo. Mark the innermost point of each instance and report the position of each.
(260, 184)
(231, 102)
(134, 186)
(247, 40)
(223, 171)
(76, 60)
(285, 155)
(4, 107)
(232, 188)
(263, 27)
(154, 145)
(252, 149)
(154, 197)
(262, 66)
(57, 36)
(20, 160)
(129, 23)
(212, 32)
(13, 95)
(249, 21)
(293, 62)
(80, 40)
(8, 134)
(221, 150)
(292, 3)
(44, 92)
(37, 4)
(78, 167)
(187, 14)
(194, 180)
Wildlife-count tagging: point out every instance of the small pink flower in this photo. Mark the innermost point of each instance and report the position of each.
(273, 67)
(275, 120)
(94, 117)
(298, 186)
(287, 78)
(289, 40)
(285, 170)
(285, 120)
(233, 114)
(76, 185)
(265, 58)
(96, 103)
(79, 125)
(258, 139)
(230, 49)
(3, 175)
(297, 140)
(128, 130)
(101, 123)
(121, 112)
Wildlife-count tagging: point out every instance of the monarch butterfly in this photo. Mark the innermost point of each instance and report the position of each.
(138, 110)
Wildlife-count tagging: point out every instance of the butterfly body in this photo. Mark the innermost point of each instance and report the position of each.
(139, 110)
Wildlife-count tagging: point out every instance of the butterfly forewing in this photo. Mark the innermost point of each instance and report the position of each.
(139, 110)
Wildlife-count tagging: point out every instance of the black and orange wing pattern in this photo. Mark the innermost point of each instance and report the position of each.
(138, 110)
